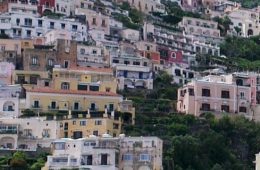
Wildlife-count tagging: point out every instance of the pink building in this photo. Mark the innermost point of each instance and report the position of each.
(6, 71)
(230, 94)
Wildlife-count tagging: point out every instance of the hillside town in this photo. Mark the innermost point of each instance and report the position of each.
(71, 72)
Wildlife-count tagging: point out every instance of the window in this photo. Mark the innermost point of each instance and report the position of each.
(35, 60)
(145, 157)
(94, 22)
(66, 64)
(136, 63)
(28, 33)
(103, 23)
(50, 62)
(82, 51)
(76, 106)
(191, 92)
(127, 157)
(225, 94)
(104, 159)
(28, 22)
(173, 55)
(224, 108)
(94, 88)
(74, 27)
(62, 25)
(206, 92)
(95, 132)
(46, 84)
(74, 122)
(59, 146)
(145, 63)
(51, 25)
(242, 95)
(82, 123)
(39, 23)
(33, 79)
(53, 105)
(205, 107)
(94, 52)
(115, 126)
(98, 122)
(65, 86)
(177, 72)
(82, 87)
(242, 109)
(126, 62)
(111, 107)
(108, 89)
(115, 61)
(36, 104)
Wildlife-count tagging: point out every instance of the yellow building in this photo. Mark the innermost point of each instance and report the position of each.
(85, 79)
(29, 78)
(82, 113)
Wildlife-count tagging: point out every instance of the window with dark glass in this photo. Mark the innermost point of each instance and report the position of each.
(225, 94)
(104, 159)
(225, 108)
(206, 92)
(205, 107)
(94, 88)
(177, 72)
(242, 109)
(191, 92)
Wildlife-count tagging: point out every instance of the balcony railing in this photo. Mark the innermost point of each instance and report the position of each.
(53, 107)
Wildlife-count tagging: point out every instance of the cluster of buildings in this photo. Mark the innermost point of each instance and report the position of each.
(64, 62)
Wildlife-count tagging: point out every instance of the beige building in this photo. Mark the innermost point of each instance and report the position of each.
(226, 94)
(130, 153)
(200, 27)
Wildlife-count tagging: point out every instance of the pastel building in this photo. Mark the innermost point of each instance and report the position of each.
(27, 133)
(148, 50)
(6, 72)
(29, 26)
(245, 22)
(92, 56)
(199, 27)
(133, 153)
(131, 69)
(227, 94)
(10, 100)
(181, 74)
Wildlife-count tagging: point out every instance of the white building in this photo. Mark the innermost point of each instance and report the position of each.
(26, 26)
(9, 101)
(181, 75)
(91, 56)
(245, 22)
(130, 34)
(27, 133)
(107, 153)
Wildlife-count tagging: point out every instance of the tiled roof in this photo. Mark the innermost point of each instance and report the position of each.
(105, 70)
(92, 93)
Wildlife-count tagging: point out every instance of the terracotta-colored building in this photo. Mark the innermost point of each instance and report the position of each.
(46, 5)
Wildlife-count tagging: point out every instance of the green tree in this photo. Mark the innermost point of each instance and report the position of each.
(18, 161)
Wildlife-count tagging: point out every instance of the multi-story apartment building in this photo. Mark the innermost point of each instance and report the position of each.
(149, 50)
(10, 100)
(84, 78)
(10, 51)
(181, 74)
(27, 133)
(41, 59)
(138, 153)
(200, 27)
(28, 26)
(131, 69)
(245, 22)
(95, 20)
(231, 94)
(92, 56)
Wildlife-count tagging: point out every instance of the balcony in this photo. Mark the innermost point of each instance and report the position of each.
(8, 129)
(76, 108)
(36, 107)
(53, 107)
